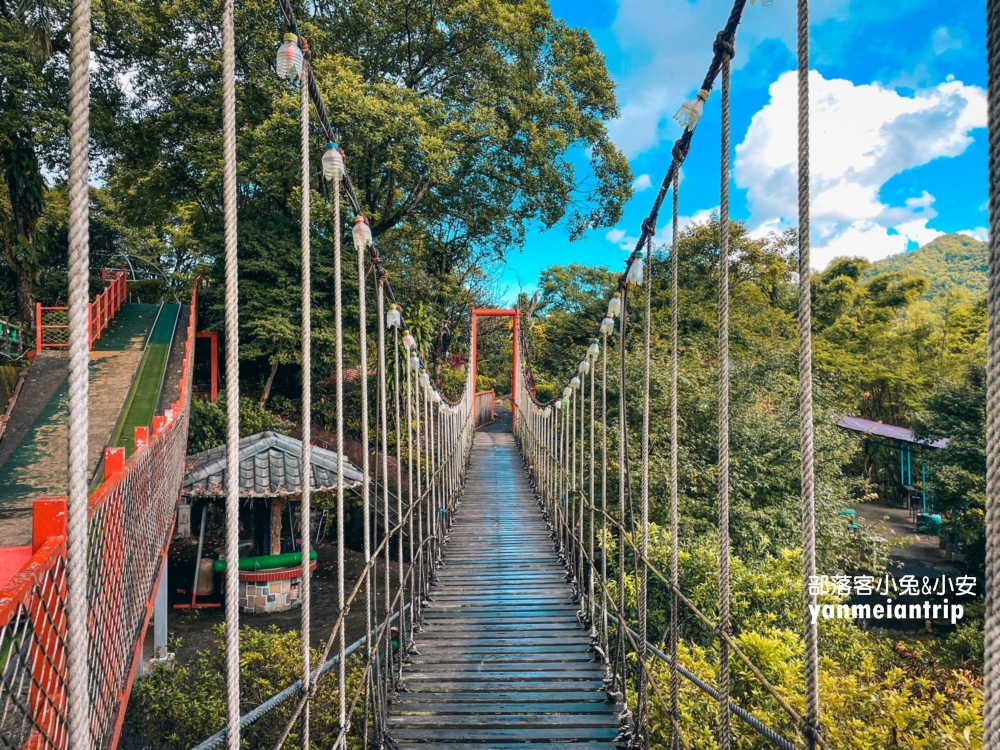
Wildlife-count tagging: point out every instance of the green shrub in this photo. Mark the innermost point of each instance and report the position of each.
(207, 428)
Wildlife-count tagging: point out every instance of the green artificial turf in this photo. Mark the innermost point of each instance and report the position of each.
(141, 405)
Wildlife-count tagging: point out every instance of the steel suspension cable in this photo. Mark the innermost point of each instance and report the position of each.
(77, 548)
(806, 466)
(229, 200)
(305, 510)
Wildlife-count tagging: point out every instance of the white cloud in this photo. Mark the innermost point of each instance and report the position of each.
(666, 49)
(642, 182)
(980, 233)
(943, 40)
(861, 136)
(615, 236)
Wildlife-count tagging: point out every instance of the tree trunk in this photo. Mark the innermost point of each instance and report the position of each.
(26, 299)
(277, 506)
(267, 385)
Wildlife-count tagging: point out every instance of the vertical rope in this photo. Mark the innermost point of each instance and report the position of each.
(399, 493)
(582, 574)
(725, 734)
(232, 378)
(419, 600)
(414, 594)
(674, 513)
(644, 544)
(622, 426)
(365, 468)
(384, 424)
(991, 667)
(805, 387)
(604, 493)
(77, 631)
(306, 507)
(338, 314)
(590, 536)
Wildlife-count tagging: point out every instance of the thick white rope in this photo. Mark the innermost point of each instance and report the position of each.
(724, 729)
(991, 665)
(365, 468)
(421, 589)
(590, 573)
(338, 314)
(674, 494)
(384, 420)
(306, 507)
(229, 199)
(604, 494)
(399, 492)
(643, 702)
(805, 389)
(414, 592)
(77, 627)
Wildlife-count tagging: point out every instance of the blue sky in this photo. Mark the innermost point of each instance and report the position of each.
(898, 122)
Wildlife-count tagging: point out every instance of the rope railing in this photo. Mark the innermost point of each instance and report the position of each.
(626, 538)
(563, 491)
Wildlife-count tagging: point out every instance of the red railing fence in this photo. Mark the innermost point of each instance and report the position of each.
(52, 323)
(131, 522)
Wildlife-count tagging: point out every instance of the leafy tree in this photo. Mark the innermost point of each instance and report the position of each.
(33, 44)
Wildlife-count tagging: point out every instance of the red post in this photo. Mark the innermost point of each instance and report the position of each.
(213, 340)
(158, 424)
(38, 327)
(45, 609)
(48, 519)
(472, 354)
(140, 438)
(114, 462)
(513, 373)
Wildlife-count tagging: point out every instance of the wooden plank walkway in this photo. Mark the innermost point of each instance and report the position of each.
(503, 662)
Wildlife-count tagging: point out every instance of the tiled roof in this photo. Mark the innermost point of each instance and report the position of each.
(270, 464)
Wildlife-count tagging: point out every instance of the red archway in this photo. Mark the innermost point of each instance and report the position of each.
(483, 312)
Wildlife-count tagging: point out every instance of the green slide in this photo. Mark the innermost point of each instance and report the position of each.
(141, 404)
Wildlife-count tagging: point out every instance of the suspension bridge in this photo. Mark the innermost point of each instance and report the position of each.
(509, 624)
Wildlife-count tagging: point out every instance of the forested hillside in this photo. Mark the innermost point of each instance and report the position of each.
(882, 350)
(950, 261)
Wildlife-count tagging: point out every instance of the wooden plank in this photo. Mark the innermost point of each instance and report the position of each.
(502, 659)
(466, 734)
(593, 707)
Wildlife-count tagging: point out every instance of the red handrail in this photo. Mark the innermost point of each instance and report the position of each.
(52, 323)
(131, 519)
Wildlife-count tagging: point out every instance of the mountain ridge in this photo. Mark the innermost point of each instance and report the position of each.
(951, 260)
